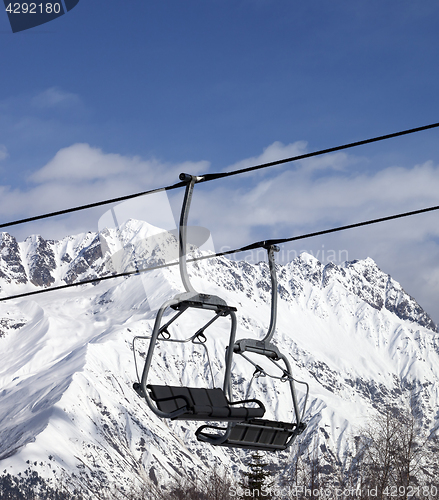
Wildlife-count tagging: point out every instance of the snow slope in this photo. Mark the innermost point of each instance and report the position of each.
(67, 407)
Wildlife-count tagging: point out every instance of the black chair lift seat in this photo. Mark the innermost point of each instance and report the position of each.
(193, 403)
(257, 434)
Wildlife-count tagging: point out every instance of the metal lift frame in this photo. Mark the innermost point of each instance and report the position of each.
(258, 433)
(181, 302)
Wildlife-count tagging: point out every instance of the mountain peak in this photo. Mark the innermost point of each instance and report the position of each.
(308, 258)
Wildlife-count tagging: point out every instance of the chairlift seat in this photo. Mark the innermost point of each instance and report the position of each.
(193, 403)
(257, 434)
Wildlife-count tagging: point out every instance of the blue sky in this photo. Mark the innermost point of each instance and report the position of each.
(117, 97)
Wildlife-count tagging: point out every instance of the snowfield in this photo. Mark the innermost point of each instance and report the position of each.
(67, 407)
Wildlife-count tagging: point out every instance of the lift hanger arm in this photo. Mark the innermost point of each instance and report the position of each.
(272, 266)
(191, 180)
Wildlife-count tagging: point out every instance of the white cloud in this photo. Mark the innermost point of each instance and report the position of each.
(286, 201)
(271, 153)
(79, 175)
(3, 152)
(54, 97)
(296, 201)
(278, 150)
(81, 163)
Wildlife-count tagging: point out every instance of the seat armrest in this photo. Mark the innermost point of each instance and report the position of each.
(172, 398)
(179, 411)
(259, 403)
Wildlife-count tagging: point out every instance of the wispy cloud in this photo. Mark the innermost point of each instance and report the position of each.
(82, 164)
(3, 152)
(283, 201)
(55, 97)
(296, 200)
(278, 151)
(82, 174)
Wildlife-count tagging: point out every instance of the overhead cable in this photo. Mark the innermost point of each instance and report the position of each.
(252, 246)
(220, 175)
(279, 241)
(209, 177)
(91, 205)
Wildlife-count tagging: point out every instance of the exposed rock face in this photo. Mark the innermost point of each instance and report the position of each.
(41, 262)
(11, 267)
(86, 260)
(360, 278)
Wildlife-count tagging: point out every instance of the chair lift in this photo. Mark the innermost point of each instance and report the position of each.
(193, 403)
(258, 433)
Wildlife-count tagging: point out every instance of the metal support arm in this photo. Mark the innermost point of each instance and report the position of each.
(272, 266)
(182, 237)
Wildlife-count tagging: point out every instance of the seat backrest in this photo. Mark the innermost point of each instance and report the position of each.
(208, 397)
(170, 398)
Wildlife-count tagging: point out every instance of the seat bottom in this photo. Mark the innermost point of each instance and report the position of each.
(256, 434)
(202, 404)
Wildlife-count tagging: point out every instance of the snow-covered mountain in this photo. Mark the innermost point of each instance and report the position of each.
(67, 407)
